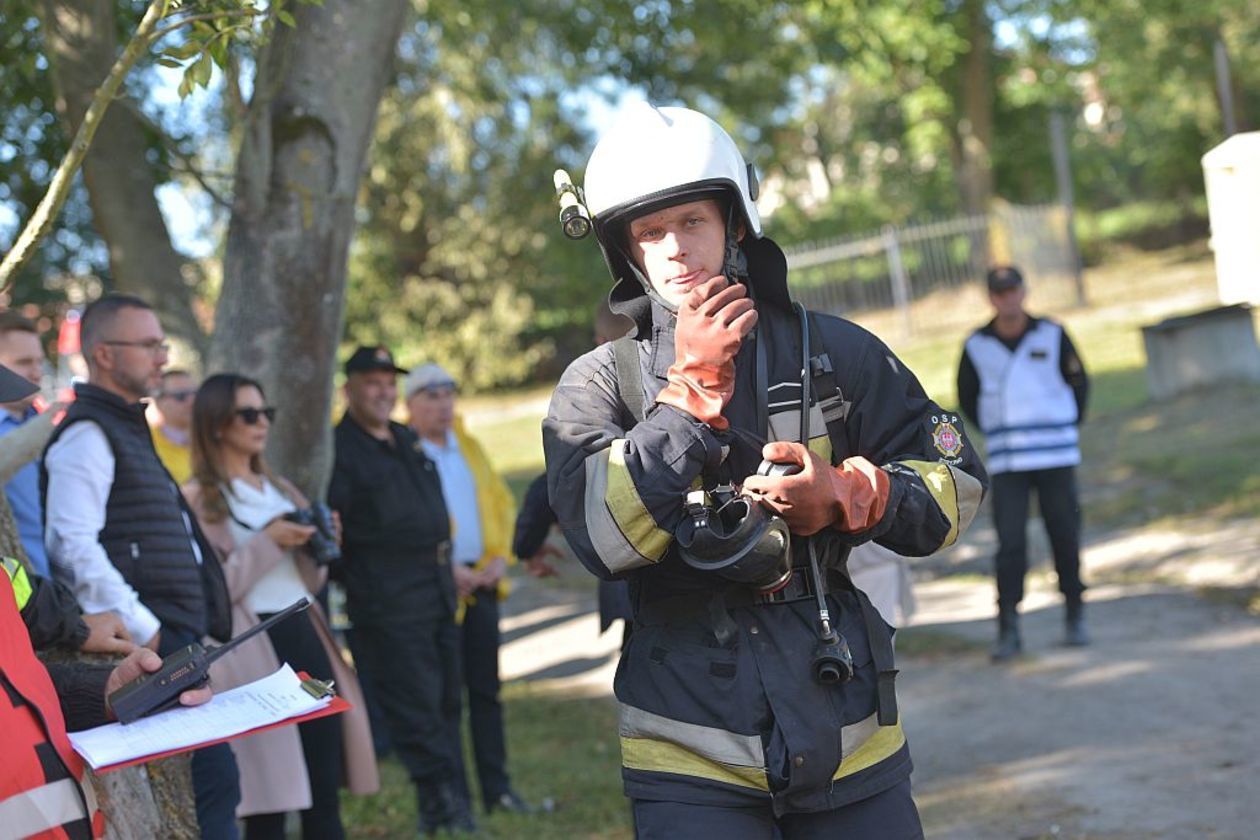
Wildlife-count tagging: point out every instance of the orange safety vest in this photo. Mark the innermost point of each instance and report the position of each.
(42, 792)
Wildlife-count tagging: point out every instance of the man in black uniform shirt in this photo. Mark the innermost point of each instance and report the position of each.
(400, 594)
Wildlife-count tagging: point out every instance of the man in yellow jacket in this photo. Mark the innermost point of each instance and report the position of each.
(172, 436)
(483, 512)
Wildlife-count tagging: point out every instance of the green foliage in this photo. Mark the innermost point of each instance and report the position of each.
(209, 28)
(31, 144)
(849, 108)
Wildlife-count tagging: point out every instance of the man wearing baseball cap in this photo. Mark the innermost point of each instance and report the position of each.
(400, 594)
(1022, 382)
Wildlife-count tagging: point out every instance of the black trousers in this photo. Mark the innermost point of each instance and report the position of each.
(409, 648)
(890, 815)
(297, 643)
(216, 780)
(480, 648)
(1060, 510)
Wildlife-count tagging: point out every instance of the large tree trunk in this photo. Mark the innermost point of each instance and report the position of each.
(302, 152)
(82, 46)
(973, 137)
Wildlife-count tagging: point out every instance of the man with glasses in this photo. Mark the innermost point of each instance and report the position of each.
(171, 439)
(117, 530)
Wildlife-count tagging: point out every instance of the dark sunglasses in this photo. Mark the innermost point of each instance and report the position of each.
(178, 396)
(250, 416)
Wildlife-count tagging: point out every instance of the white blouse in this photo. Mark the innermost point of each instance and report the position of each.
(251, 510)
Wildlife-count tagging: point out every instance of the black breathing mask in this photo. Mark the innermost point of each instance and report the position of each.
(736, 536)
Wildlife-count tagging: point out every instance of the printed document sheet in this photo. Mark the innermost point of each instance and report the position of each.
(266, 701)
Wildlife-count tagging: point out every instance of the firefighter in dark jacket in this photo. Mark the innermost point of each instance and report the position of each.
(729, 724)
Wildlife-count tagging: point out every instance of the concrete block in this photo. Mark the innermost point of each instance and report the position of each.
(1205, 348)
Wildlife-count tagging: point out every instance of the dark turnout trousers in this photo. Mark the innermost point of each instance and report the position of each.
(890, 815)
(1060, 510)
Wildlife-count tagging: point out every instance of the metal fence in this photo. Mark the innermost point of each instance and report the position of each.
(904, 280)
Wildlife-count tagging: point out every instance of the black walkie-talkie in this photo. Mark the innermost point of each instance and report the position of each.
(184, 669)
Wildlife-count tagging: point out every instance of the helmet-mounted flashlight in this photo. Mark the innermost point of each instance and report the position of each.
(575, 219)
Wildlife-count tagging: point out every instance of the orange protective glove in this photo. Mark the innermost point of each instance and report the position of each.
(712, 321)
(851, 497)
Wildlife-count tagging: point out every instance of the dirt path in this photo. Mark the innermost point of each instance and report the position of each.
(1152, 732)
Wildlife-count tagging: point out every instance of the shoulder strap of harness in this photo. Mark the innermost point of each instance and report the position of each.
(835, 410)
(629, 377)
(831, 401)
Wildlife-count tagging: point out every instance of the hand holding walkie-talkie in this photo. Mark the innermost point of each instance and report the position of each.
(185, 669)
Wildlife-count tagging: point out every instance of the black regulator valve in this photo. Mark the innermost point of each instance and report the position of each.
(833, 662)
(575, 219)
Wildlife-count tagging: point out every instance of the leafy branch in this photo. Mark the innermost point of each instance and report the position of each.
(209, 27)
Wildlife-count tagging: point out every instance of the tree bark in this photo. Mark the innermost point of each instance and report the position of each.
(82, 46)
(303, 149)
(974, 135)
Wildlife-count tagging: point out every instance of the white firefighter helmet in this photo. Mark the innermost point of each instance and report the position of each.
(655, 157)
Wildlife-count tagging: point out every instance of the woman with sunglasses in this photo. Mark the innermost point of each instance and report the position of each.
(241, 507)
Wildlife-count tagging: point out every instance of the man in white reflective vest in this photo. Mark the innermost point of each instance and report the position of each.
(1022, 383)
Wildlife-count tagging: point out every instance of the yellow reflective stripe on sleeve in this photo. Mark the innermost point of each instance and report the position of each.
(632, 516)
(664, 757)
(956, 493)
(866, 744)
(970, 493)
(614, 515)
(22, 588)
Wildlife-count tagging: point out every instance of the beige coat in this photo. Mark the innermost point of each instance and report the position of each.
(272, 767)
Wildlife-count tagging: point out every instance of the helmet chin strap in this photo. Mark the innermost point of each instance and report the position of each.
(735, 262)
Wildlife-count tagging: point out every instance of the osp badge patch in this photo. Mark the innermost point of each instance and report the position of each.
(946, 437)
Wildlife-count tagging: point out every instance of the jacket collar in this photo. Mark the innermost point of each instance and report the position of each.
(90, 393)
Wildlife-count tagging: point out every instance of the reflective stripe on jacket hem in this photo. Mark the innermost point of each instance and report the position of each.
(866, 744)
(44, 808)
(658, 744)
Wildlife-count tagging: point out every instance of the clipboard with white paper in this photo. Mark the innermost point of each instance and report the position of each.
(279, 699)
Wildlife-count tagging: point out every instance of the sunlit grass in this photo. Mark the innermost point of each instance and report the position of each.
(562, 748)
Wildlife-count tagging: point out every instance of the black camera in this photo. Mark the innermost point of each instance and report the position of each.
(323, 543)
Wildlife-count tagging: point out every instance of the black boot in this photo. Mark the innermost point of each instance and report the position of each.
(1074, 633)
(1009, 645)
(443, 810)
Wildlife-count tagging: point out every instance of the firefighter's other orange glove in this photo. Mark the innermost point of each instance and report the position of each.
(712, 321)
(851, 497)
